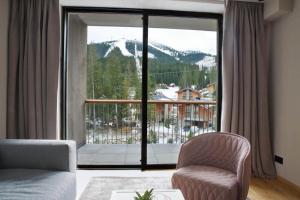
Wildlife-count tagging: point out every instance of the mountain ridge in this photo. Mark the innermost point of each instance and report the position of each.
(160, 52)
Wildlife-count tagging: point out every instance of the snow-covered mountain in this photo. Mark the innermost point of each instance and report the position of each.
(133, 48)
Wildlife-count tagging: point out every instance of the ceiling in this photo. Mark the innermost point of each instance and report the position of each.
(212, 6)
(106, 19)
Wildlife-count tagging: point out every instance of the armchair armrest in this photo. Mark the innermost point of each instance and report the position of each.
(244, 174)
(38, 154)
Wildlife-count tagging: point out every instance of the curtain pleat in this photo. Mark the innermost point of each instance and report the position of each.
(33, 64)
(245, 80)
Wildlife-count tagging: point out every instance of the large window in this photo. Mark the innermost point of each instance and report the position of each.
(138, 84)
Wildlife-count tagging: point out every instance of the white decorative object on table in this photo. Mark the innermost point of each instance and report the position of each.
(168, 194)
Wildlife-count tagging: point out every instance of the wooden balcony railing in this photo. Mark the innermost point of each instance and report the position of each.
(118, 121)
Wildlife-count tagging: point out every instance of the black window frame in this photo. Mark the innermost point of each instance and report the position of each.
(146, 13)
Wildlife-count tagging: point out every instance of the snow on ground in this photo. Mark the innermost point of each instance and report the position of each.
(208, 61)
(168, 52)
(121, 44)
(150, 55)
(137, 62)
(170, 92)
(161, 132)
(109, 50)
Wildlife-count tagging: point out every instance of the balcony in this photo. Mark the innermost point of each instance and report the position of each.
(113, 130)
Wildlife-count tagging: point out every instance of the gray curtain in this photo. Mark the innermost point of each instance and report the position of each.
(245, 82)
(33, 63)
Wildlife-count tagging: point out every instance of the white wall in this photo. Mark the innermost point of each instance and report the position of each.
(4, 9)
(77, 74)
(285, 93)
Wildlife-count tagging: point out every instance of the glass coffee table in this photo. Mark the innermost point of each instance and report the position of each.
(167, 194)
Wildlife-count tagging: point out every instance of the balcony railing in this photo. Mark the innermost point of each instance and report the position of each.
(119, 121)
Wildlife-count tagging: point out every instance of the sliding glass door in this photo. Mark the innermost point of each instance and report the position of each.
(137, 84)
(104, 87)
(182, 83)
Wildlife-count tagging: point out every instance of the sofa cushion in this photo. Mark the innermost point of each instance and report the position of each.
(56, 155)
(205, 183)
(33, 184)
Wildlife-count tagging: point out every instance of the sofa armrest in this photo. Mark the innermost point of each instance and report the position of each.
(38, 154)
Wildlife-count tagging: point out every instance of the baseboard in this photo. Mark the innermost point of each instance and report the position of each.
(289, 183)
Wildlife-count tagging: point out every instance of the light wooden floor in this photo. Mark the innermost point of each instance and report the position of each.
(272, 190)
(259, 189)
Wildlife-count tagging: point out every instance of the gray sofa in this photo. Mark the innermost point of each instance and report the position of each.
(37, 169)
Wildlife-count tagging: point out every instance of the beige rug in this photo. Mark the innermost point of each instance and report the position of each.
(100, 188)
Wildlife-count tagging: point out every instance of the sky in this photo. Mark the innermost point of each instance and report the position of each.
(178, 39)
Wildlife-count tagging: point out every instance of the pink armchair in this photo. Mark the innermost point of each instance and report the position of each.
(214, 166)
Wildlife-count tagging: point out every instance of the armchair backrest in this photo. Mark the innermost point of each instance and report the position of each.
(221, 150)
